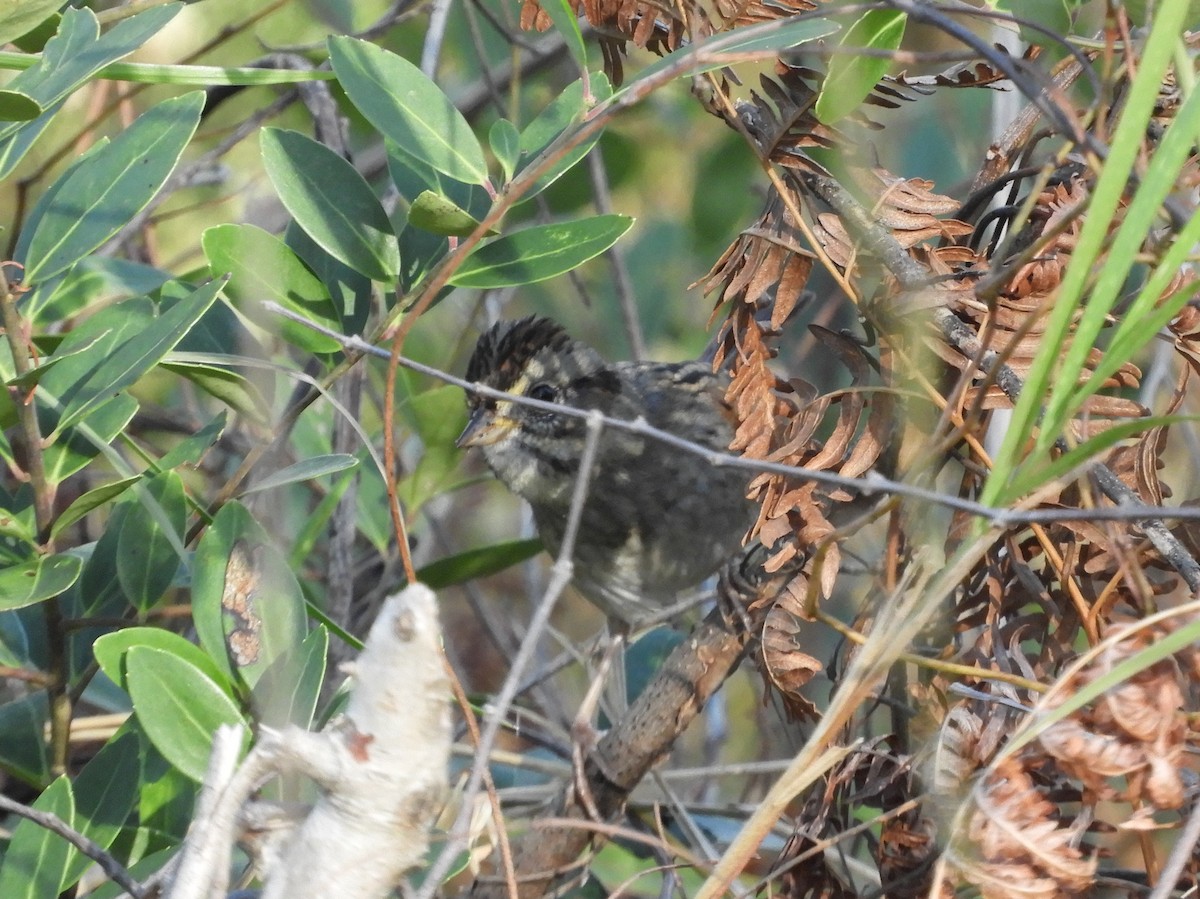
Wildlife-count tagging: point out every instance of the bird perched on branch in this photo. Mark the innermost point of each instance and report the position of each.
(657, 518)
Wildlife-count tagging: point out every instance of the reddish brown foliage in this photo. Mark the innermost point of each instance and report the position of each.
(918, 403)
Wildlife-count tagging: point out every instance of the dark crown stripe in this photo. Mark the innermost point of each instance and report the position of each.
(502, 352)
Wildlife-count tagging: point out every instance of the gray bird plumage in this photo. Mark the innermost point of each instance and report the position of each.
(657, 518)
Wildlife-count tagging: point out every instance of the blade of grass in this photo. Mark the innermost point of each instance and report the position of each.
(1134, 328)
(1106, 196)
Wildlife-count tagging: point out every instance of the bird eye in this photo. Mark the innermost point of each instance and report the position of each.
(543, 392)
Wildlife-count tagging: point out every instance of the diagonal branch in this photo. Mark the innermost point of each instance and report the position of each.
(497, 712)
(692, 673)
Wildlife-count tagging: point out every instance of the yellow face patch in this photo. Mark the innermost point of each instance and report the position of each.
(487, 427)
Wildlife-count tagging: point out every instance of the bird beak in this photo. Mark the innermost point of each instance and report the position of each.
(484, 428)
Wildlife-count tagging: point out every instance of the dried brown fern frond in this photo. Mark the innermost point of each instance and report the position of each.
(1015, 843)
(872, 775)
(767, 263)
(659, 28)
(1135, 731)
(893, 90)
(782, 120)
(786, 666)
(779, 421)
(908, 847)
(1012, 322)
(736, 13)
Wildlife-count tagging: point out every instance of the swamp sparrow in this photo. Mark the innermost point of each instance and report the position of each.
(657, 518)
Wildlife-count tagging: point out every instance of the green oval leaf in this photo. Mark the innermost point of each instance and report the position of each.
(306, 470)
(191, 450)
(440, 215)
(75, 53)
(80, 444)
(148, 554)
(473, 563)
(112, 186)
(350, 291)
(332, 202)
(538, 253)
(762, 41)
(566, 23)
(852, 76)
(505, 141)
(179, 707)
(23, 750)
(246, 603)
(438, 416)
(560, 116)
(262, 267)
(103, 799)
(35, 375)
(234, 390)
(18, 107)
(34, 41)
(20, 16)
(128, 360)
(110, 650)
(288, 691)
(37, 581)
(398, 99)
(93, 499)
(763, 38)
(36, 859)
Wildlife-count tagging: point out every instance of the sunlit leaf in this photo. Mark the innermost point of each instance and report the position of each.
(36, 581)
(110, 652)
(540, 252)
(440, 215)
(262, 267)
(852, 76)
(179, 707)
(408, 109)
(332, 202)
(112, 186)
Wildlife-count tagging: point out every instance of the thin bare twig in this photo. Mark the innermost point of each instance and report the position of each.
(431, 50)
(914, 277)
(1180, 855)
(622, 283)
(497, 710)
(872, 483)
(44, 492)
(114, 869)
